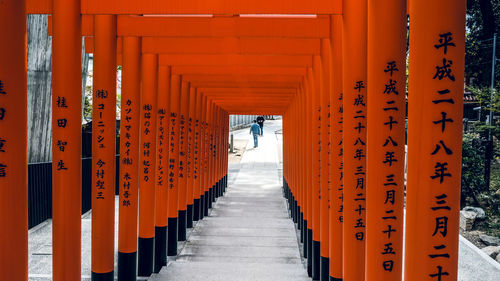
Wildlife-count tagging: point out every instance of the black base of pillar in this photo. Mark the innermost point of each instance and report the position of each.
(316, 256)
(189, 218)
(160, 248)
(196, 210)
(303, 237)
(300, 219)
(324, 269)
(202, 206)
(145, 256)
(182, 226)
(335, 279)
(211, 198)
(108, 276)
(207, 204)
(309, 252)
(217, 190)
(127, 266)
(172, 237)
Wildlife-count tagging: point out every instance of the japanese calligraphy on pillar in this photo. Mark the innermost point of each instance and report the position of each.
(189, 149)
(443, 102)
(61, 123)
(339, 151)
(172, 144)
(127, 156)
(182, 147)
(360, 159)
(392, 156)
(147, 148)
(98, 121)
(3, 141)
(160, 169)
(196, 148)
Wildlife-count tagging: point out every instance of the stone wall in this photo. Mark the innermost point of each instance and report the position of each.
(40, 88)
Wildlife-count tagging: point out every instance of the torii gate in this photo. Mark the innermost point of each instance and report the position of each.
(337, 78)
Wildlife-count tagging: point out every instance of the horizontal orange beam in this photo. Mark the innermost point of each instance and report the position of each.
(224, 7)
(238, 70)
(246, 85)
(226, 45)
(234, 59)
(231, 45)
(161, 26)
(247, 90)
(242, 78)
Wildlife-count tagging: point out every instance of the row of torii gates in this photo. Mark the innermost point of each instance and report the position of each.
(336, 71)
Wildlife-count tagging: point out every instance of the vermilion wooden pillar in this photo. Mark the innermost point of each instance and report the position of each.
(204, 153)
(161, 179)
(325, 183)
(184, 108)
(336, 156)
(129, 159)
(173, 166)
(309, 164)
(197, 176)
(317, 89)
(190, 156)
(354, 77)
(147, 163)
(386, 139)
(13, 143)
(435, 101)
(66, 140)
(103, 147)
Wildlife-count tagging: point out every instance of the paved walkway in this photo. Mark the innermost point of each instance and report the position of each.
(248, 235)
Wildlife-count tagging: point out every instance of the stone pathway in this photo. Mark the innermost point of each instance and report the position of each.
(248, 235)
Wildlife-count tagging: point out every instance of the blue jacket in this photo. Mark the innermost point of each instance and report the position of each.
(255, 129)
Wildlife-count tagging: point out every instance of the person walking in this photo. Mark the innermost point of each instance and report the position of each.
(255, 130)
(260, 121)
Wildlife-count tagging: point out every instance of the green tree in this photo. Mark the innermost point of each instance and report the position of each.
(482, 19)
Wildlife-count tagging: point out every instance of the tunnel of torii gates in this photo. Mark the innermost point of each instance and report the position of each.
(335, 70)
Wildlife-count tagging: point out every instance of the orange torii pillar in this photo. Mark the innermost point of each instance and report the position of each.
(66, 140)
(336, 157)
(129, 159)
(308, 169)
(13, 143)
(182, 167)
(103, 148)
(304, 194)
(210, 147)
(147, 164)
(354, 84)
(161, 212)
(386, 68)
(197, 211)
(435, 111)
(204, 154)
(173, 166)
(190, 157)
(317, 87)
(325, 160)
